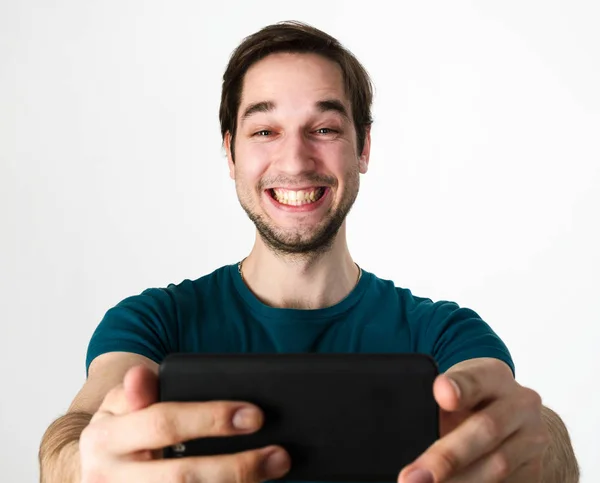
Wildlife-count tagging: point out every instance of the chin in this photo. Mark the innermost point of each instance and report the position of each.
(292, 242)
(288, 239)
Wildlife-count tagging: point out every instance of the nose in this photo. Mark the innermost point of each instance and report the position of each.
(296, 156)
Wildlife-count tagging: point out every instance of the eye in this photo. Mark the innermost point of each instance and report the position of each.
(325, 130)
(262, 132)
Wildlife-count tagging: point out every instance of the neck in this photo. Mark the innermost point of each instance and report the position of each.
(307, 281)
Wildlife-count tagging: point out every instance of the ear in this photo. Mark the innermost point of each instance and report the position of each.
(230, 163)
(363, 161)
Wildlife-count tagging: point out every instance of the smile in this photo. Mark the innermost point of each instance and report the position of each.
(297, 197)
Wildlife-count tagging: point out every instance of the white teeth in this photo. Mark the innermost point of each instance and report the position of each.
(296, 198)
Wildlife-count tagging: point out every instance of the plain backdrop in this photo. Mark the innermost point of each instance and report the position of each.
(483, 185)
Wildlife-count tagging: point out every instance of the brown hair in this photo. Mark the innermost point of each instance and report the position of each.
(296, 37)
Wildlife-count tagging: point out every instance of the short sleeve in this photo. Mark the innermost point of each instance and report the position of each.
(144, 324)
(453, 334)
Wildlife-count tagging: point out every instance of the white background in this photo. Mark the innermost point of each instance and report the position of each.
(483, 186)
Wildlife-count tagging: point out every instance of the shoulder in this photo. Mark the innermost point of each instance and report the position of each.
(417, 307)
(151, 322)
(172, 306)
(187, 291)
(435, 316)
(447, 331)
(410, 303)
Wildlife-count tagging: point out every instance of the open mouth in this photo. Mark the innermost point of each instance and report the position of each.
(297, 197)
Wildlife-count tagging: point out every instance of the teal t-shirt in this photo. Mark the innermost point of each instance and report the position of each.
(217, 313)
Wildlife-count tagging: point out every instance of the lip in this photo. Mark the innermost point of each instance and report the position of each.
(301, 208)
(295, 188)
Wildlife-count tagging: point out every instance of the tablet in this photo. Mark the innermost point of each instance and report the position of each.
(341, 417)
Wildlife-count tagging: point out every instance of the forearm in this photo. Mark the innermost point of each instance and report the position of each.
(59, 450)
(559, 464)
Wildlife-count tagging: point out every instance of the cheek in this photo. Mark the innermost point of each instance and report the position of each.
(250, 164)
(341, 158)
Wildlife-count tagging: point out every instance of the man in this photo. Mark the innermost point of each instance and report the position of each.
(295, 119)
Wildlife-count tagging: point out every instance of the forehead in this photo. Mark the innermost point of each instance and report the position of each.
(293, 80)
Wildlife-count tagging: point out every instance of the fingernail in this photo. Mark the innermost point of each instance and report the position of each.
(277, 464)
(419, 476)
(455, 386)
(246, 418)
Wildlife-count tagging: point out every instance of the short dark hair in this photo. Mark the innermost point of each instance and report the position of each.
(295, 37)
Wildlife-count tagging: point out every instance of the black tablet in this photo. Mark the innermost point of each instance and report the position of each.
(341, 417)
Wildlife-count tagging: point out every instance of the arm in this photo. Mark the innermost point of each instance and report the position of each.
(58, 455)
(559, 462)
(125, 436)
(59, 449)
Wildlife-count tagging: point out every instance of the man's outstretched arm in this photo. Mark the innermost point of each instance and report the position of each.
(493, 429)
(59, 448)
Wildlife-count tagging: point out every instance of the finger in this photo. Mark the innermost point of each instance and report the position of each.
(168, 423)
(141, 387)
(479, 434)
(446, 393)
(114, 403)
(247, 467)
(516, 460)
(473, 381)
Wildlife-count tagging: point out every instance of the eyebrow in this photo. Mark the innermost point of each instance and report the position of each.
(263, 106)
(334, 105)
(326, 105)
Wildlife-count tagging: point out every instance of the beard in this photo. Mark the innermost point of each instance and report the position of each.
(299, 241)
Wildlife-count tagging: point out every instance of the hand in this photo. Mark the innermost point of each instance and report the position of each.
(122, 443)
(491, 429)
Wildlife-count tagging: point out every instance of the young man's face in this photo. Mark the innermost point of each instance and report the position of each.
(296, 160)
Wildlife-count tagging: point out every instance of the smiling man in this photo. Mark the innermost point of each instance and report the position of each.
(295, 119)
(296, 157)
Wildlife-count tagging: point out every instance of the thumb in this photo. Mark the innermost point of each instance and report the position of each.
(447, 393)
(141, 387)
